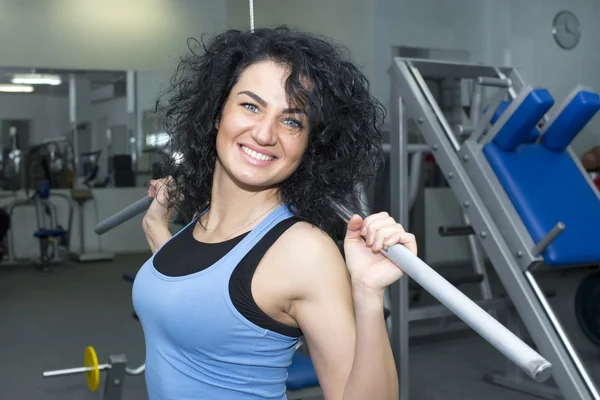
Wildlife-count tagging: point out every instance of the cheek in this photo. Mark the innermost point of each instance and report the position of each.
(296, 149)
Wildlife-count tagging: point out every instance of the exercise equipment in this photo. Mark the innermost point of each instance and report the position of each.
(124, 215)
(51, 160)
(82, 196)
(48, 235)
(511, 346)
(116, 369)
(587, 307)
(523, 192)
(52, 237)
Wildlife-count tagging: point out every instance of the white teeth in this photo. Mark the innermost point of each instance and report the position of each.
(256, 155)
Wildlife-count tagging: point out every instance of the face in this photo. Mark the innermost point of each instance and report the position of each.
(260, 138)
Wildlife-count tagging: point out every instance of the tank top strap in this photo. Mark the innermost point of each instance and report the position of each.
(255, 235)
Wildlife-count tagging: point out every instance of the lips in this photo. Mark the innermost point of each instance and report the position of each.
(255, 158)
(257, 155)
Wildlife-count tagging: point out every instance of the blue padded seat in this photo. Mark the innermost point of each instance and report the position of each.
(547, 187)
(301, 373)
(46, 233)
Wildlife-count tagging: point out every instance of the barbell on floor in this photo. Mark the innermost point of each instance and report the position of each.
(92, 369)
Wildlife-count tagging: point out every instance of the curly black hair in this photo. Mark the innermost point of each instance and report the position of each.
(344, 146)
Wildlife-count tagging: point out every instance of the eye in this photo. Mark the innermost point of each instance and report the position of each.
(250, 107)
(294, 123)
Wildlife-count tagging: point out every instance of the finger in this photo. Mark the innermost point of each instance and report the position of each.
(375, 217)
(354, 226)
(409, 241)
(376, 225)
(383, 235)
(405, 239)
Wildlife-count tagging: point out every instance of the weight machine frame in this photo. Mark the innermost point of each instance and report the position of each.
(501, 233)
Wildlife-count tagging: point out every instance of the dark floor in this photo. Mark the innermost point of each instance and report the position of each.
(47, 319)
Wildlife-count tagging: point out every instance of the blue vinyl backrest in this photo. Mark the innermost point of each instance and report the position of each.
(524, 119)
(531, 137)
(543, 181)
(571, 120)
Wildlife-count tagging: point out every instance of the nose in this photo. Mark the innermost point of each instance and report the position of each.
(264, 132)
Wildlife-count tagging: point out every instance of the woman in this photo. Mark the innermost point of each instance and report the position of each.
(266, 126)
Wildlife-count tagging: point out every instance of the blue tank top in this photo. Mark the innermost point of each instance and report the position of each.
(198, 345)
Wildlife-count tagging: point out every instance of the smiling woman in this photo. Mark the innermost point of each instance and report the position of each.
(269, 125)
(317, 96)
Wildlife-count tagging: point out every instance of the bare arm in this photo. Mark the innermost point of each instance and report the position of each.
(157, 232)
(343, 323)
(373, 373)
(156, 220)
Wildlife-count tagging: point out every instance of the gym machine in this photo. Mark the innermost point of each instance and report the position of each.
(116, 369)
(50, 234)
(524, 195)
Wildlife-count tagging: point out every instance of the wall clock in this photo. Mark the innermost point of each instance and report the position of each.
(566, 30)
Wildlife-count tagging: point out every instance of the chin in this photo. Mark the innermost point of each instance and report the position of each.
(254, 182)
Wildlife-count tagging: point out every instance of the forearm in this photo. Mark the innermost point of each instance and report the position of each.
(373, 375)
(157, 233)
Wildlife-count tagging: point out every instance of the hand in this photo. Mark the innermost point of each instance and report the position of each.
(158, 210)
(367, 266)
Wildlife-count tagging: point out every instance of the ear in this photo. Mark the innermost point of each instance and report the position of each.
(218, 122)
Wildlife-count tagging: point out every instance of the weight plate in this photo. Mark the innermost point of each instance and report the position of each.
(587, 307)
(91, 360)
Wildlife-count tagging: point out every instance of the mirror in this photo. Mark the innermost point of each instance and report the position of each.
(70, 127)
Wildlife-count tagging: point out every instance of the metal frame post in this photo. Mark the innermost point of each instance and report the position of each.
(399, 207)
(115, 377)
(73, 122)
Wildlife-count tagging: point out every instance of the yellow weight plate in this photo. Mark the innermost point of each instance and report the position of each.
(93, 376)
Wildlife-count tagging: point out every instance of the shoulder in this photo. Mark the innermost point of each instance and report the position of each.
(308, 241)
(312, 258)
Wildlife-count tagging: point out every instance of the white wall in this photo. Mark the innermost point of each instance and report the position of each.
(523, 38)
(432, 24)
(514, 33)
(41, 110)
(107, 34)
(349, 22)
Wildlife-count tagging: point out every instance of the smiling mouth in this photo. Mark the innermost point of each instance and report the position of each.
(255, 155)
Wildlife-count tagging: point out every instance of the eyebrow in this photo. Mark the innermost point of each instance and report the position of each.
(263, 103)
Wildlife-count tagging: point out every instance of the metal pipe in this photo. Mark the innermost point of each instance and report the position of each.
(549, 238)
(414, 178)
(73, 122)
(73, 371)
(435, 109)
(562, 335)
(506, 342)
(132, 117)
(11, 239)
(476, 101)
(480, 127)
(494, 82)
(512, 92)
(135, 371)
(57, 139)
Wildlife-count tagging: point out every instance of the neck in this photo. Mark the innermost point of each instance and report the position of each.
(233, 206)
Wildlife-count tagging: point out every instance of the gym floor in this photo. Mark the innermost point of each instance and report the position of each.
(47, 319)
